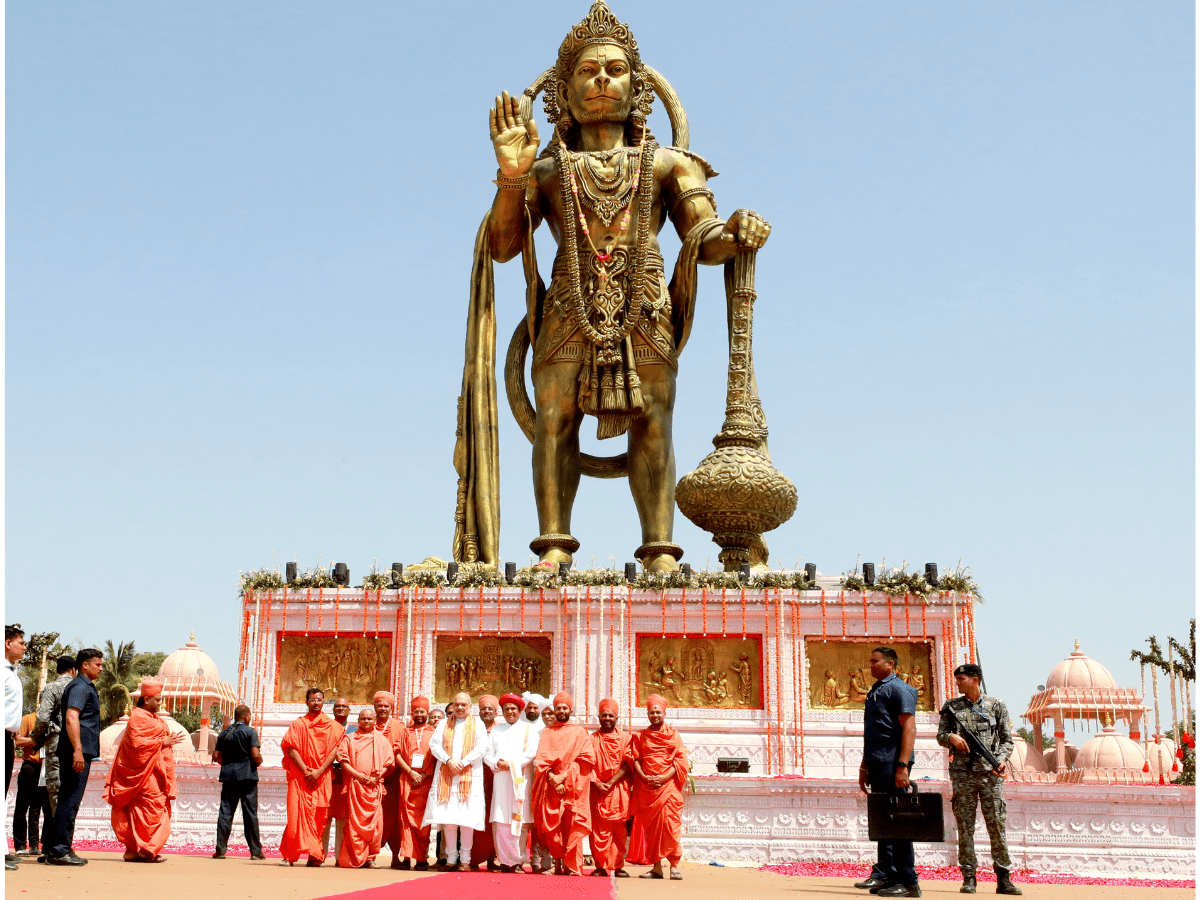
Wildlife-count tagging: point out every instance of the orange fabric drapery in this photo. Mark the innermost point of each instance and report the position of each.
(141, 785)
(314, 738)
(660, 810)
(563, 820)
(370, 754)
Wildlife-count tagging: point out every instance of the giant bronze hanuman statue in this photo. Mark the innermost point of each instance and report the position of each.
(607, 332)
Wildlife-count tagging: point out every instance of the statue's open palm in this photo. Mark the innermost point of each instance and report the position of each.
(515, 140)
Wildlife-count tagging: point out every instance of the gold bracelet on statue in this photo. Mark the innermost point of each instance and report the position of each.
(513, 184)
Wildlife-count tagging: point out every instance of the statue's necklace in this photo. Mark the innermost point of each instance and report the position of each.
(608, 339)
(603, 258)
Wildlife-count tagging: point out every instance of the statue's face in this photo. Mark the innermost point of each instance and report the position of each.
(600, 87)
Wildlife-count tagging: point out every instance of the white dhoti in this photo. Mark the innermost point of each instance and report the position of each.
(517, 747)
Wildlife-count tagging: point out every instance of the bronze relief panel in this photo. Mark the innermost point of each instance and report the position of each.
(491, 665)
(701, 672)
(351, 666)
(839, 676)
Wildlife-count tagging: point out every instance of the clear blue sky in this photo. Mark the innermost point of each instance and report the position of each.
(239, 242)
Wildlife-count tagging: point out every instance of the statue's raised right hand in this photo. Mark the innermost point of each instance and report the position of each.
(515, 140)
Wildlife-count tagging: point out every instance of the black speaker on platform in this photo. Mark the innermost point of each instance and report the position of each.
(510, 572)
(810, 572)
(563, 569)
(397, 571)
(631, 572)
(291, 572)
(452, 572)
(686, 568)
(931, 574)
(869, 574)
(341, 574)
(733, 764)
(744, 572)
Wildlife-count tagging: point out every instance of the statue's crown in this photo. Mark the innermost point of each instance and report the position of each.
(599, 26)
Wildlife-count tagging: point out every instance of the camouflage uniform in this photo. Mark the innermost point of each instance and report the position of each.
(971, 777)
(49, 720)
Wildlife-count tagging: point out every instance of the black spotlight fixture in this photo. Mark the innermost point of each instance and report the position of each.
(686, 568)
(744, 572)
(452, 572)
(341, 574)
(563, 569)
(397, 571)
(810, 572)
(510, 572)
(931, 574)
(631, 572)
(290, 568)
(869, 574)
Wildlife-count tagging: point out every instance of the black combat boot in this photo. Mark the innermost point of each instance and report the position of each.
(1004, 884)
(968, 885)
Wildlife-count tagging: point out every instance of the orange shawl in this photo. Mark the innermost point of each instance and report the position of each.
(464, 778)
(140, 757)
(660, 809)
(610, 751)
(562, 748)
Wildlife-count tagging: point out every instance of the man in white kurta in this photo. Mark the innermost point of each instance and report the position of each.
(511, 758)
(456, 797)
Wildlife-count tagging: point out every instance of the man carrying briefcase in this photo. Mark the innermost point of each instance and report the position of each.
(978, 732)
(889, 732)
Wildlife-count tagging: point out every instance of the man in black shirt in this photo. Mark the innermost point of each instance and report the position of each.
(78, 745)
(239, 757)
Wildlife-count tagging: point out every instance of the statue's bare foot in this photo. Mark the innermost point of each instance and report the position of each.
(550, 560)
(662, 563)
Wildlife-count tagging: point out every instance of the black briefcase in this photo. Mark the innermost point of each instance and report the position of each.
(905, 817)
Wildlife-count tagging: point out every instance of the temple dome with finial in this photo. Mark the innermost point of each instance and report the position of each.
(1079, 671)
(1110, 750)
(189, 661)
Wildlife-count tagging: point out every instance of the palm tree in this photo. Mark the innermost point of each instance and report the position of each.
(114, 682)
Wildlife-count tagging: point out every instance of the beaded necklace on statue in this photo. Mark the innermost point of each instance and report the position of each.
(608, 338)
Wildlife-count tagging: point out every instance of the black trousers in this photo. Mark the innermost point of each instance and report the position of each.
(233, 793)
(10, 756)
(71, 787)
(897, 863)
(32, 803)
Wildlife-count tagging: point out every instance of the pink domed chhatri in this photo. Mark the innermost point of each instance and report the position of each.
(190, 681)
(1081, 689)
(111, 736)
(1080, 671)
(1110, 757)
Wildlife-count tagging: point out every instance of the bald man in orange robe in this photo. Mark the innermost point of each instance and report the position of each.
(660, 763)
(609, 792)
(415, 764)
(561, 800)
(309, 748)
(366, 757)
(391, 728)
(141, 783)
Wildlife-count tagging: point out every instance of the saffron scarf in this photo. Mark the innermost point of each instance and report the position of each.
(464, 780)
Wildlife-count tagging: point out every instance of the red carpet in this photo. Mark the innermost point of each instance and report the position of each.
(473, 885)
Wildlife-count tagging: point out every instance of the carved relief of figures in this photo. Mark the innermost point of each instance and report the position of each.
(697, 671)
(355, 667)
(829, 688)
(491, 665)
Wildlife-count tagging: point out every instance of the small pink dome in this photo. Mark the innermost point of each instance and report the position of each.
(111, 736)
(1109, 750)
(1024, 757)
(189, 662)
(1079, 671)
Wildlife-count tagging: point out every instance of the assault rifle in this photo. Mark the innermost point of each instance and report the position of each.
(975, 746)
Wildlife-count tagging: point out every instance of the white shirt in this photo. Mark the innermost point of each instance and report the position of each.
(14, 698)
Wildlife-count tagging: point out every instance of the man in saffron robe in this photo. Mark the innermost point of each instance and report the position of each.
(483, 848)
(511, 758)
(309, 748)
(141, 784)
(366, 757)
(609, 793)
(660, 762)
(416, 765)
(456, 799)
(561, 800)
(390, 727)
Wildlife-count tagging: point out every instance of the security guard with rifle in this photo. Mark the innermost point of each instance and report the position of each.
(978, 733)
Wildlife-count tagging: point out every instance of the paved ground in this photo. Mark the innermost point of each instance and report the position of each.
(107, 877)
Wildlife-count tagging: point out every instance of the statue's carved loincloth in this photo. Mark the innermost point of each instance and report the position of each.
(609, 386)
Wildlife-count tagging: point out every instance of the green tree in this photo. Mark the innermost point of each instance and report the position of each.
(116, 681)
(1027, 733)
(146, 665)
(189, 717)
(1184, 663)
